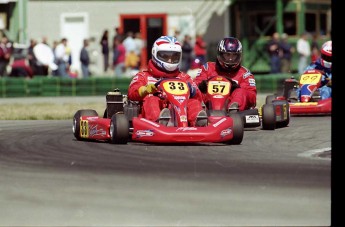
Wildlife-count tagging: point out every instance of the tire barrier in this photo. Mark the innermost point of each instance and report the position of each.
(55, 86)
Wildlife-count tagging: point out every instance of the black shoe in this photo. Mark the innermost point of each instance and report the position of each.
(164, 117)
(233, 108)
(201, 119)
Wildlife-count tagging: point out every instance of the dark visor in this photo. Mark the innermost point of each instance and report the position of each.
(230, 58)
(169, 56)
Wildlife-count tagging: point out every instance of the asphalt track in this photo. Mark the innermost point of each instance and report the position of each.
(274, 178)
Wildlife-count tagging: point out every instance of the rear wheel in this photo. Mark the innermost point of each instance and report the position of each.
(76, 120)
(268, 117)
(238, 129)
(270, 98)
(119, 129)
(286, 108)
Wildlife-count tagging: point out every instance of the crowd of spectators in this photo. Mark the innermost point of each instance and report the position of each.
(121, 56)
(280, 52)
(38, 59)
(194, 53)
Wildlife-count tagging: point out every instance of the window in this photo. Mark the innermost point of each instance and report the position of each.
(289, 23)
(310, 22)
(262, 24)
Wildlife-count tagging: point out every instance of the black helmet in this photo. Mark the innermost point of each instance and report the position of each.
(229, 53)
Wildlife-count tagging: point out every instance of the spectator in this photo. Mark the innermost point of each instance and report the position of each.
(187, 53)
(45, 68)
(200, 49)
(20, 66)
(119, 57)
(69, 61)
(139, 45)
(62, 58)
(273, 49)
(287, 51)
(303, 49)
(105, 49)
(85, 59)
(178, 35)
(44, 56)
(55, 44)
(5, 55)
(31, 56)
(129, 43)
(315, 50)
(118, 35)
(132, 63)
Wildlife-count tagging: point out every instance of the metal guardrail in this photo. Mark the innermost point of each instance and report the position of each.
(55, 86)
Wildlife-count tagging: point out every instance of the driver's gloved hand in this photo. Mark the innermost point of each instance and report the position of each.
(148, 89)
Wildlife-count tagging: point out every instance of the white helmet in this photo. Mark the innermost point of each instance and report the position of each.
(167, 53)
(326, 54)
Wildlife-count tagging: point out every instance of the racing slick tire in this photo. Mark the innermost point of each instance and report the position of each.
(76, 120)
(268, 117)
(238, 129)
(119, 129)
(270, 98)
(285, 123)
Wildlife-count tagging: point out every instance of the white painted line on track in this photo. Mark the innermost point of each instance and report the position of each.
(316, 153)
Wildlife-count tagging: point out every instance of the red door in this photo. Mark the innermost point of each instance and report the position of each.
(151, 27)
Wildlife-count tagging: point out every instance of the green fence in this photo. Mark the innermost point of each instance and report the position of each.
(55, 86)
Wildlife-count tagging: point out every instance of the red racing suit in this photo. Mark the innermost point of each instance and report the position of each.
(244, 95)
(152, 105)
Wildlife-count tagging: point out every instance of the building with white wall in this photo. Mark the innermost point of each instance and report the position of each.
(77, 20)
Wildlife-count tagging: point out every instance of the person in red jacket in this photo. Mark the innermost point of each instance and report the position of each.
(165, 62)
(228, 64)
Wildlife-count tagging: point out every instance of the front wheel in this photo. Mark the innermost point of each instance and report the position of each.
(76, 120)
(119, 129)
(237, 128)
(268, 117)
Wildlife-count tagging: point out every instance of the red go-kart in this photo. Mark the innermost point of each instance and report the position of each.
(309, 101)
(124, 120)
(269, 116)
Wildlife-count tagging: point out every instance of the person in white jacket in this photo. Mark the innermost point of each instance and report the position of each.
(304, 51)
(61, 58)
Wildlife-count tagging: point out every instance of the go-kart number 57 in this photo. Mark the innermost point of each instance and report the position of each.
(219, 87)
(175, 88)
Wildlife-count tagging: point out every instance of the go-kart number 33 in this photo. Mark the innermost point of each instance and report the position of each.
(175, 88)
(84, 129)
